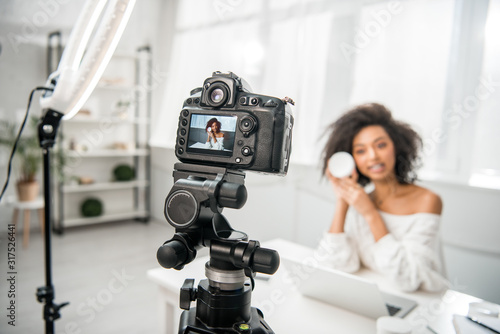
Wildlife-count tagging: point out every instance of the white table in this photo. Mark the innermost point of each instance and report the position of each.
(25, 208)
(287, 311)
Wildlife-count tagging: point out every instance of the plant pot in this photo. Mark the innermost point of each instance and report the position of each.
(27, 191)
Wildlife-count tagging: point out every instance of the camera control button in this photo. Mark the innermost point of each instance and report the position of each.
(246, 151)
(180, 151)
(238, 160)
(184, 122)
(247, 125)
(270, 104)
(183, 132)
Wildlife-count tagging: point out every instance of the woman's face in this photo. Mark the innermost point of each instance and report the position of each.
(374, 153)
(215, 127)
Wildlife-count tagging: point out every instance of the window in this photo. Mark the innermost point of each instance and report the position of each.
(401, 61)
(485, 157)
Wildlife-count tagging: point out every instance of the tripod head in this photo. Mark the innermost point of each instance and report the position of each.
(193, 207)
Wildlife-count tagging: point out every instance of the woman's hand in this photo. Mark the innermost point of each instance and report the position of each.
(335, 181)
(211, 134)
(351, 193)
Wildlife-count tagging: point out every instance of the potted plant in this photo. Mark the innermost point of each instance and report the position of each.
(28, 158)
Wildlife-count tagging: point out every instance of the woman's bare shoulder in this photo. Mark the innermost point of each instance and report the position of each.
(425, 200)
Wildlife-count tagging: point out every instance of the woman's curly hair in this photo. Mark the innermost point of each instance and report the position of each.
(407, 142)
(212, 121)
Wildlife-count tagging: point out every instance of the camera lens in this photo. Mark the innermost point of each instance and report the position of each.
(217, 94)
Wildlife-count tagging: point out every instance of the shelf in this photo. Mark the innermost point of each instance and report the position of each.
(121, 105)
(109, 153)
(106, 218)
(77, 188)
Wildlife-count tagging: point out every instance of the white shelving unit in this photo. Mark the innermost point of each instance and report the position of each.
(112, 129)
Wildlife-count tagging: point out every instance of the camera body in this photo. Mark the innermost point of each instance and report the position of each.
(224, 124)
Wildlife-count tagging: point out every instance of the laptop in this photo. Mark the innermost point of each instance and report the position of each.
(346, 291)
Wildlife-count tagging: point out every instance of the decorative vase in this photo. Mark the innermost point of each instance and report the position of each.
(27, 190)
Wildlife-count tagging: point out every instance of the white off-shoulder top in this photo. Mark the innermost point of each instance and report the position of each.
(219, 145)
(409, 255)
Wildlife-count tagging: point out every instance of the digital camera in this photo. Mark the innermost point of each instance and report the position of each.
(224, 124)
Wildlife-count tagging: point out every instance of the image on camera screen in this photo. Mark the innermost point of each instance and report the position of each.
(213, 135)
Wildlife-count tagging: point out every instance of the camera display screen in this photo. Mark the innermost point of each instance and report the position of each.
(213, 135)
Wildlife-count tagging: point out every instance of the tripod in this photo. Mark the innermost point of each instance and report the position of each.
(223, 300)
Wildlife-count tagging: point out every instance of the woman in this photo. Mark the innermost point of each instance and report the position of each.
(394, 228)
(215, 140)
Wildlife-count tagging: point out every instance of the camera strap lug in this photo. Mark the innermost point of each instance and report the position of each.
(287, 99)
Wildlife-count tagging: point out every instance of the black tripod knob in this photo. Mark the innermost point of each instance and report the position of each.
(188, 294)
(172, 254)
(245, 255)
(266, 261)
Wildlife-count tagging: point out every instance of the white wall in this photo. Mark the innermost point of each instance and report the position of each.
(299, 208)
(470, 233)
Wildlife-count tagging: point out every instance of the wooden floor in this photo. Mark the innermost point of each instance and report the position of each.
(100, 270)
